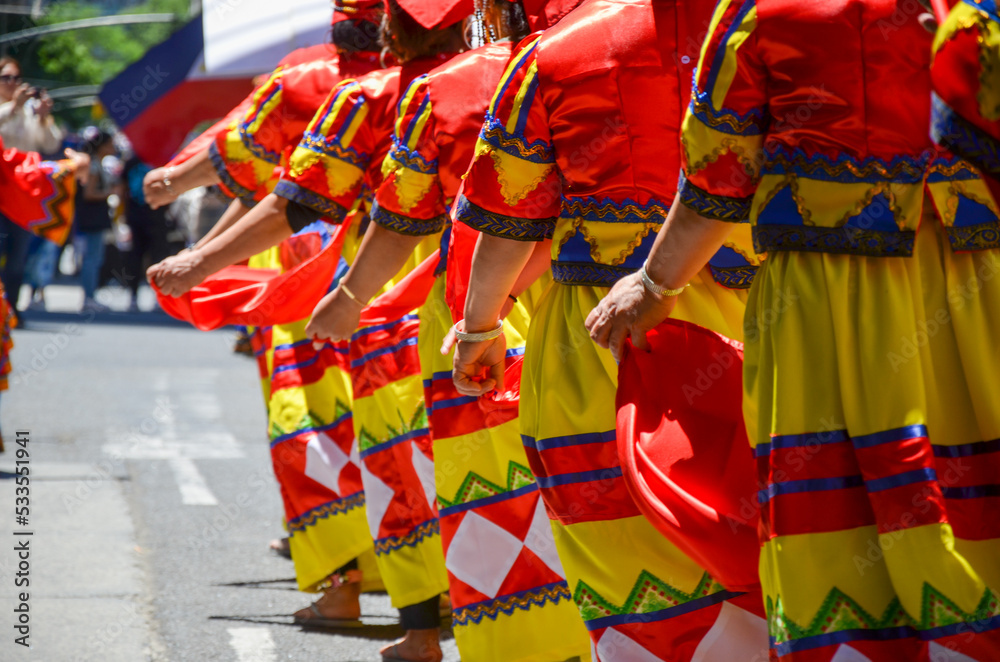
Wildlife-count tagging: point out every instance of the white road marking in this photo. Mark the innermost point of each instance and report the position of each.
(194, 490)
(186, 427)
(252, 644)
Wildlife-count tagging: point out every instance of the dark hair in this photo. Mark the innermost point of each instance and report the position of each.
(6, 59)
(93, 139)
(355, 35)
(513, 15)
(407, 39)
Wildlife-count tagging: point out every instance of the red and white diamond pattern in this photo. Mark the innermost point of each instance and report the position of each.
(325, 461)
(482, 553)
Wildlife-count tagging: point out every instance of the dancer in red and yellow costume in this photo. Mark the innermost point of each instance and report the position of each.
(507, 587)
(37, 195)
(580, 145)
(870, 393)
(340, 157)
(307, 391)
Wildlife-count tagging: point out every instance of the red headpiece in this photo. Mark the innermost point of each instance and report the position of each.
(435, 14)
(543, 14)
(364, 10)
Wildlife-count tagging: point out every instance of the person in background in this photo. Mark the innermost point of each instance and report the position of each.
(26, 124)
(92, 218)
(26, 121)
(43, 259)
(149, 228)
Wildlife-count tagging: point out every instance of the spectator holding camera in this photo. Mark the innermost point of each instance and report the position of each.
(26, 121)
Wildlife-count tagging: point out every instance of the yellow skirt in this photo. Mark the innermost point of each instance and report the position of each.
(396, 455)
(640, 598)
(873, 403)
(510, 600)
(309, 403)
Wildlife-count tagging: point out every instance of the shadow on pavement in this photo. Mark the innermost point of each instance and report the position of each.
(383, 631)
(38, 320)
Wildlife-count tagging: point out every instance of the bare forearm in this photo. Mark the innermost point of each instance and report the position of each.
(264, 226)
(496, 267)
(382, 254)
(539, 262)
(684, 246)
(234, 212)
(196, 171)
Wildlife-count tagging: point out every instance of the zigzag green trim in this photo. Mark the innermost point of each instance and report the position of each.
(648, 595)
(475, 487)
(418, 421)
(309, 420)
(840, 612)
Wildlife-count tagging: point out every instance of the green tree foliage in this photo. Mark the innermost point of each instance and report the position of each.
(92, 56)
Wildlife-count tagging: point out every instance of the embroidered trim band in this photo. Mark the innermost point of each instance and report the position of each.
(581, 273)
(412, 539)
(505, 227)
(328, 208)
(244, 194)
(717, 207)
(949, 129)
(494, 133)
(844, 240)
(405, 225)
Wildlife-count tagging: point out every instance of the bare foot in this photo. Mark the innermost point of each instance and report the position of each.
(338, 603)
(281, 547)
(416, 646)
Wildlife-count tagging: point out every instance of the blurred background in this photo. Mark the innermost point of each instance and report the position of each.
(131, 82)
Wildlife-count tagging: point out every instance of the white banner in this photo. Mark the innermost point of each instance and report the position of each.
(249, 37)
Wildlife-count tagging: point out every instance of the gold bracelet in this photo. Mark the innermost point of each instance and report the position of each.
(351, 295)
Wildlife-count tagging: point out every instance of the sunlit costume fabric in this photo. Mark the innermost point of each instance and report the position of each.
(580, 145)
(870, 346)
(308, 392)
(340, 155)
(508, 593)
(966, 75)
(319, 52)
(246, 156)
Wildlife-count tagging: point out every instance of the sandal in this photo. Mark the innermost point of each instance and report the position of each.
(316, 619)
(392, 655)
(323, 623)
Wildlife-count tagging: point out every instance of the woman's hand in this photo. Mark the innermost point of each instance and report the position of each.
(629, 309)
(450, 338)
(45, 103)
(21, 95)
(176, 275)
(335, 318)
(479, 366)
(156, 190)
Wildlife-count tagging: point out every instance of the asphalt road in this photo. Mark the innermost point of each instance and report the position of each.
(152, 502)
